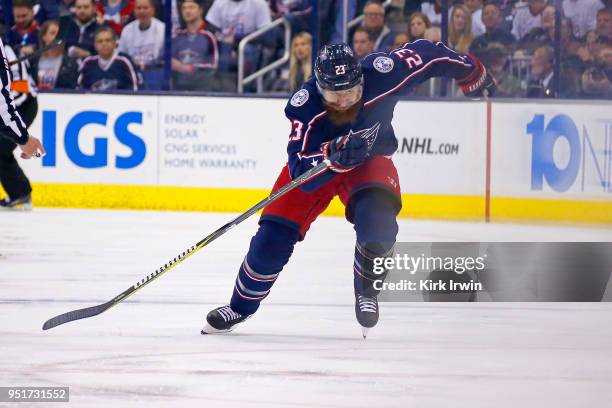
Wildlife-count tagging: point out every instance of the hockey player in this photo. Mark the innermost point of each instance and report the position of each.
(12, 127)
(343, 114)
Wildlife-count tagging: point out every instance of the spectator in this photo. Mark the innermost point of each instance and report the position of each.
(597, 79)
(527, 18)
(569, 43)
(297, 13)
(400, 39)
(374, 23)
(54, 69)
(115, 13)
(583, 14)
(143, 41)
(492, 20)
(433, 34)
(604, 58)
(300, 63)
(433, 11)
(195, 55)
(232, 20)
(538, 36)
(475, 7)
(78, 31)
(109, 69)
(495, 58)
(593, 43)
(23, 36)
(460, 35)
(362, 43)
(418, 23)
(603, 26)
(541, 72)
(545, 35)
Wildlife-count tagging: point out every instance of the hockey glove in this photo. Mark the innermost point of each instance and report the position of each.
(479, 83)
(346, 152)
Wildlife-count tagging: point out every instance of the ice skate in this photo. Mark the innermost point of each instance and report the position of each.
(222, 320)
(366, 311)
(19, 204)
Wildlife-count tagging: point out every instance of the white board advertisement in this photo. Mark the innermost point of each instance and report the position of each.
(442, 147)
(96, 139)
(218, 142)
(221, 142)
(552, 150)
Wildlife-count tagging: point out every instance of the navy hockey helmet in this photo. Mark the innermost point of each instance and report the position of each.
(337, 68)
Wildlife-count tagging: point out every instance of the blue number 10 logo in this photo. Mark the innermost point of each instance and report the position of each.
(542, 147)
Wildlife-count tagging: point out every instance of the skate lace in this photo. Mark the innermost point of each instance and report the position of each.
(228, 314)
(367, 304)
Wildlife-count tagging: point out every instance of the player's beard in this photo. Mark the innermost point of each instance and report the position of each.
(342, 117)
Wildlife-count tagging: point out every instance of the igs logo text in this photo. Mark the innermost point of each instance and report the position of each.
(562, 155)
(107, 131)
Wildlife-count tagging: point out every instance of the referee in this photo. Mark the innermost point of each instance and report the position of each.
(13, 133)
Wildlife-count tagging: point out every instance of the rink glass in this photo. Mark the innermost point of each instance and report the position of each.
(579, 59)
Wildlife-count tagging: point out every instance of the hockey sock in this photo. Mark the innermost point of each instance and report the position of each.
(269, 251)
(374, 215)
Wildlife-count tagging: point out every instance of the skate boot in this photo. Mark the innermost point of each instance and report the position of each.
(366, 310)
(222, 320)
(20, 204)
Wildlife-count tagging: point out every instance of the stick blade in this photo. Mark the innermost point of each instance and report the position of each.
(76, 315)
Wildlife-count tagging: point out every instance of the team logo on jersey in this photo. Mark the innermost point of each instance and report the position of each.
(368, 135)
(299, 98)
(383, 64)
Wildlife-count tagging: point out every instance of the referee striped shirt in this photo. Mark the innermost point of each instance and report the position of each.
(11, 124)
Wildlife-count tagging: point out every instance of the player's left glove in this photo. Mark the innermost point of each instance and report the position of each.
(345, 152)
(479, 82)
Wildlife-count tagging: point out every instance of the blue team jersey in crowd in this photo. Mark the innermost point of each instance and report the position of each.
(198, 49)
(117, 73)
(386, 78)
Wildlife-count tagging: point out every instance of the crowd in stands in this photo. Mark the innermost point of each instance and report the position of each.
(514, 39)
(119, 44)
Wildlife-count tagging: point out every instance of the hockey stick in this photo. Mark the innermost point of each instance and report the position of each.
(96, 310)
(39, 52)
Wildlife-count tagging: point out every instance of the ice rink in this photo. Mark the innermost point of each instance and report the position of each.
(303, 348)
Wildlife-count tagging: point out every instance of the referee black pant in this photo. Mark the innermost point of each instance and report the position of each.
(12, 178)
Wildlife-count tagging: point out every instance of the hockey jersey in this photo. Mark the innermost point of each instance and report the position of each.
(19, 37)
(117, 73)
(386, 78)
(22, 85)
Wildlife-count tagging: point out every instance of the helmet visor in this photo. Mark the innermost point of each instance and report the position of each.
(342, 99)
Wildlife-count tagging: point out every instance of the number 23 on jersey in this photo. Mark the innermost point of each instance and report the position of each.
(296, 130)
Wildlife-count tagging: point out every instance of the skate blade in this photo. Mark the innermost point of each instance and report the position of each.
(208, 329)
(18, 207)
(364, 331)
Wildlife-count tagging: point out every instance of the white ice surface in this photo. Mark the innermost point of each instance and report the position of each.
(303, 348)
